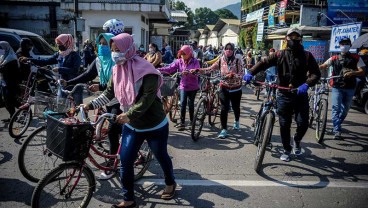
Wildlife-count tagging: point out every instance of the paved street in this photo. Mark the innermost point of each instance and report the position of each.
(219, 173)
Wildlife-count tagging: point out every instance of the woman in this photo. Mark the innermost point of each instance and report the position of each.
(68, 62)
(168, 57)
(154, 55)
(135, 83)
(9, 73)
(231, 71)
(26, 46)
(102, 66)
(88, 53)
(188, 83)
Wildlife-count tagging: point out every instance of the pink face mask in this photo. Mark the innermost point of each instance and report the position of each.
(229, 53)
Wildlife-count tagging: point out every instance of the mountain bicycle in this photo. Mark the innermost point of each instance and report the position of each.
(171, 96)
(73, 183)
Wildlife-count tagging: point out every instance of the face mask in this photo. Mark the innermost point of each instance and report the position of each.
(151, 50)
(344, 48)
(103, 50)
(2, 52)
(229, 53)
(293, 44)
(141, 49)
(61, 47)
(118, 58)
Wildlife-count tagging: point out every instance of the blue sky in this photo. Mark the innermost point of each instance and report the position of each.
(212, 4)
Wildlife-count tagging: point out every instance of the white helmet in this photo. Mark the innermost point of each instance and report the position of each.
(114, 26)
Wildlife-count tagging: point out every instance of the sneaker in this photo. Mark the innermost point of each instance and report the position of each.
(236, 125)
(181, 127)
(285, 156)
(223, 134)
(337, 135)
(106, 176)
(297, 149)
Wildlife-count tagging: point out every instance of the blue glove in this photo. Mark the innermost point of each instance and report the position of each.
(247, 78)
(302, 89)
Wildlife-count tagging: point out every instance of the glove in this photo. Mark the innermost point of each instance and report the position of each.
(247, 78)
(302, 89)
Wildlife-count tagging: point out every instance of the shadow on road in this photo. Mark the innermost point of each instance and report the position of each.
(15, 190)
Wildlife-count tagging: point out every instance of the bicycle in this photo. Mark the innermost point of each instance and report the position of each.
(208, 104)
(318, 107)
(265, 120)
(171, 96)
(39, 78)
(64, 183)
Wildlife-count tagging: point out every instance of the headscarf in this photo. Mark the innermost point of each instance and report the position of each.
(186, 50)
(9, 53)
(125, 76)
(24, 47)
(67, 41)
(105, 60)
(233, 49)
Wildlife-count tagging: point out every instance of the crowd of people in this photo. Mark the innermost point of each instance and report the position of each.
(130, 81)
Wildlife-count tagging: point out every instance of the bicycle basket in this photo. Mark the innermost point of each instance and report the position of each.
(68, 141)
(168, 87)
(43, 102)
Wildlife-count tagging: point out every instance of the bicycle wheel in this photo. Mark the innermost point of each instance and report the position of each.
(19, 122)
(258, 92)
(214, 110)
(321, 120)
(34, 160)
(101, 140)
(311, 110)
(257, 128)
(143, 161)
(264, 139)
(198, 118)
(174, 110)
(68, 185)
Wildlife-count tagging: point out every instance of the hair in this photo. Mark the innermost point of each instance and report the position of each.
(154, 45)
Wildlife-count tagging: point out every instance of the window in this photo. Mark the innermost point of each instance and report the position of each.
(13, 42)
(143, 19)
(128, 30)
(143, 34)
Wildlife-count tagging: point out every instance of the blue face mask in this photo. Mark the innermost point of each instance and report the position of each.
(103, 50)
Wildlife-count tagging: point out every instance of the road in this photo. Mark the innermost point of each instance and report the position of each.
(219, 172)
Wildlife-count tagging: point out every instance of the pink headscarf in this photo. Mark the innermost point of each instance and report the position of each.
(126, 75)
(67, 41)
(186, 50)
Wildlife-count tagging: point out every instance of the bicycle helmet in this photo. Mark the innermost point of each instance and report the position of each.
(113, 26)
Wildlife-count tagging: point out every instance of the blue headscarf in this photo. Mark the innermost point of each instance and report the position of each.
(105, 58)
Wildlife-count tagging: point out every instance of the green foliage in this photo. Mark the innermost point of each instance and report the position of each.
(257, 45)
(225, 14)
(204, 16)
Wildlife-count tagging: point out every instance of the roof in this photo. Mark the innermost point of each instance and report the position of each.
(222, 22)
(19, 32)
(179, 13)
(209, 27)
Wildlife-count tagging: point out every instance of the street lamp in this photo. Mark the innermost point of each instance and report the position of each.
(76, 25)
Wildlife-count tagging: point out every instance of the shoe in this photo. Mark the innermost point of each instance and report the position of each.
(169, 195)
(223, 134)
(181, 127)
(129, 206)
(106, 176)
(285, 156)
(297, 149)
(236, 125)
(337, 135)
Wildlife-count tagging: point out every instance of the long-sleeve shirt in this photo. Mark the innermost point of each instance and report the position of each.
(154, 59)
(189, 81)
(147, 111)
(292, 68)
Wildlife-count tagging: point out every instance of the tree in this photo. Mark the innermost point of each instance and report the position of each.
(204, 16)
(179, 5)
(225, 14)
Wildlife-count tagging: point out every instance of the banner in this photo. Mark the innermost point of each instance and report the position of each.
(271, 17)
(260, 31)
(282, 12)
(256, 15)
(338, 32)
(317, 48)
(356, 10)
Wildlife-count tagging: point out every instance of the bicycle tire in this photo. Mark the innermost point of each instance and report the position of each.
(145, 161)
(265, 137)
(256, 126)
(198, 118)
(258, 92)
(53, 176)
(321, 120)
(39, 164)
(102, 143)
(14, 132)
(174, 110)
(214, 108)
(311, 111)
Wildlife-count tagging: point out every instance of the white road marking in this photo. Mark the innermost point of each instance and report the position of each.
(244, 183)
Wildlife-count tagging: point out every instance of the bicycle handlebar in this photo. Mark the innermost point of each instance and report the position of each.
(110, 116)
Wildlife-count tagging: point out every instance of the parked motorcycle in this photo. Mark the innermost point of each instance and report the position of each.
(361, 96)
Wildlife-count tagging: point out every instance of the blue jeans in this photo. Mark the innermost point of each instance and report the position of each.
(341, 102)
(130, 145)
(287, 105)
(184, 97)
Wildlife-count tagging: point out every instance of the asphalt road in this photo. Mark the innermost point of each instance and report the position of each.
(219, 173)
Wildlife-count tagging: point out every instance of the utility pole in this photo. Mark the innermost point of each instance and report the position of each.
(76, 25)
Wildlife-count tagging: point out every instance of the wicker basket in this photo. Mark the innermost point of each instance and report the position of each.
(168, 87)
(43, 102)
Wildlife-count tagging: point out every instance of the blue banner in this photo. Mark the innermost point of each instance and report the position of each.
(357, 10)
(317, 48)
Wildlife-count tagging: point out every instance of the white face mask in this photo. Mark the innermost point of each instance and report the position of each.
(118, 58)
(2, 52)
(344, 48)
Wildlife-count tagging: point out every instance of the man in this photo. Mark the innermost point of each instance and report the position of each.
(348, 66)
(293, 66)
(197, 53)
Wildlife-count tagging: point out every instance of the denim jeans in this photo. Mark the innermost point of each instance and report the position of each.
(341, 102)
(287, 105)
(130, 145)
(225, 98)
(184, 97)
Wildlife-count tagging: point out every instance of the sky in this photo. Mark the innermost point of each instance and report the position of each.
(212, 4)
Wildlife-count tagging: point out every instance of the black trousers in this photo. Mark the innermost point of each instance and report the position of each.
(225, 98)
(114, 129)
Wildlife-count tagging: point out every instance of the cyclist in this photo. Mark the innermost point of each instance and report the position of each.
(230, 68)
(9, 72)
(88, 53)
(349, 66)
(26, 46)
(154, 55)
(136, 83)
(292, 64)
(68, 62)
(197, 52)
(188, 84)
